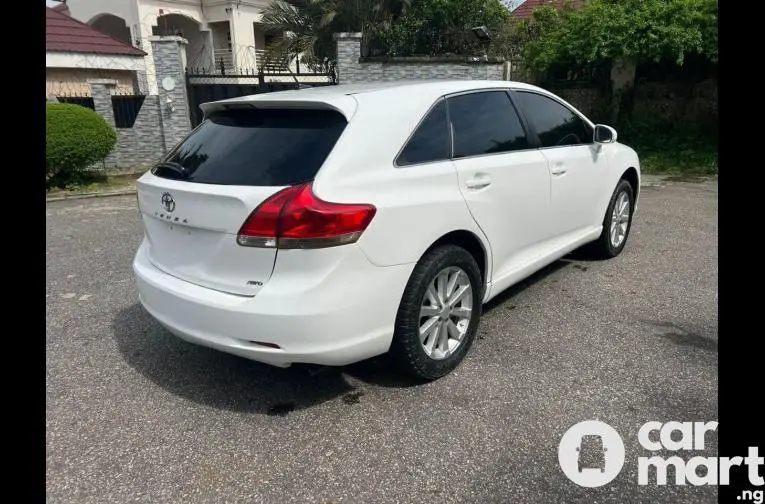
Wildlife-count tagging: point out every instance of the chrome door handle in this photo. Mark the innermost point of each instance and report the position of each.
(478, 183)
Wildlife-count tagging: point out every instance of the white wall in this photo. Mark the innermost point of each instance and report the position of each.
(148, 10)
(86, 10)
(243, 19)
(96, 61)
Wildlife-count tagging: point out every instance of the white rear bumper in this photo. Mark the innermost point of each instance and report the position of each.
(341, 313)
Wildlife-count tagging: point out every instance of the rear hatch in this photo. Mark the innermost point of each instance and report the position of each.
(195, 201)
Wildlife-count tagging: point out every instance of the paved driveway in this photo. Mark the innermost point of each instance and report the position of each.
(136, 415)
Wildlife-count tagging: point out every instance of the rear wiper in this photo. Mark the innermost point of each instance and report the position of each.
(176, 168)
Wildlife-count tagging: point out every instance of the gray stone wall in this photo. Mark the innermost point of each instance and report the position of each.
(352, 68)
(142, 145)
(137, 147)
(160, 123)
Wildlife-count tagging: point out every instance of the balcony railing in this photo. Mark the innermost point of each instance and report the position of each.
(248, 61)
(224, 60)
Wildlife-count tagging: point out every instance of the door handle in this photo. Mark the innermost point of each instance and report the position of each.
(478, 182)
(558, 169)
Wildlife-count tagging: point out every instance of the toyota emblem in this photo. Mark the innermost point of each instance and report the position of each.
(168, 202)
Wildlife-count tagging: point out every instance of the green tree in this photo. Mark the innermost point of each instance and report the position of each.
(432, 27)
(307, 26)
(636, 31)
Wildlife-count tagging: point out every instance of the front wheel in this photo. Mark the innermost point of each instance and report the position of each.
(439, 312)
(616, 222)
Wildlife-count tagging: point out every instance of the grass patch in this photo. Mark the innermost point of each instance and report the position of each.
(683, 164)
(96, 182)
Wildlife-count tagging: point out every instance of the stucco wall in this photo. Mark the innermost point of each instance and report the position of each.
(87, 10)
(56, 59)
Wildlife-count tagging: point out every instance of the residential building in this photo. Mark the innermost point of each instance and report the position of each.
(219, 32)
(525, 10)
(76, 53)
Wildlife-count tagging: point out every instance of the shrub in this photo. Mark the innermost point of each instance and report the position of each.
(75, 138)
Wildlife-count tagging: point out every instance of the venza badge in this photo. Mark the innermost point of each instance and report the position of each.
(168, 202)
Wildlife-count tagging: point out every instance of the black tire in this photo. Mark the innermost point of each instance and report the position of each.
(406, 350)
(602, 247)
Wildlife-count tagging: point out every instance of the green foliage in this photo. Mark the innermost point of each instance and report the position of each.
(690, 149)
(608, 30)
(390, 27)
(431, 27)
(75, 138)
(308, 26)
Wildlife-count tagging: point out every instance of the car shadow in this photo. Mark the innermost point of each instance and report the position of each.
(512, 291)
(224, 381)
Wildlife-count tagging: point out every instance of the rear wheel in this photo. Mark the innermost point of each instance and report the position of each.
(439, 312)
(616, 222)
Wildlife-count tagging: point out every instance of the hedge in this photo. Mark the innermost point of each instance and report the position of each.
(75, 138)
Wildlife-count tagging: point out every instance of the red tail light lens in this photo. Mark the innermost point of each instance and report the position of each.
(296, 218)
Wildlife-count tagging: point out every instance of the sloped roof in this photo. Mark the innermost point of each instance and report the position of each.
(527, 8)
(66, 34)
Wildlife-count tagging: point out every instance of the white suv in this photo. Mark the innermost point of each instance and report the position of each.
(333, 224)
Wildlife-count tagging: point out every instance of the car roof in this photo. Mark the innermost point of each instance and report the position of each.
(341, 97)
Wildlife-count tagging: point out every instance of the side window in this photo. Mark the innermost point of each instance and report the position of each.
(485, 123)
(555, 124)
(431, 140)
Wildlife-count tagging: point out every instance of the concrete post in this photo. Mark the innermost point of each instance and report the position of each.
(101, 90)
(348, 54)
(622, 88)
(169, 63)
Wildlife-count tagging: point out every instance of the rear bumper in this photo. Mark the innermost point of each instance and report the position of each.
(343, 314)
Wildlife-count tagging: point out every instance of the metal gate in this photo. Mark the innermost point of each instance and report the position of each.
(218, 84)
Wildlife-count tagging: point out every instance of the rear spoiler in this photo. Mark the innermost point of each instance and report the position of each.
(345, 104)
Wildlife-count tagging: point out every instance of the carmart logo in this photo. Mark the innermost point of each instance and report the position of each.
(591, 454)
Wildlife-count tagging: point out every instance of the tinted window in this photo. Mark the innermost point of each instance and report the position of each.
(485, 123)
(555, 124)
(265, 147)
(431, 140)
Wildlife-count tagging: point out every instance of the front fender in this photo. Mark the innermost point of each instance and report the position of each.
(622, 160)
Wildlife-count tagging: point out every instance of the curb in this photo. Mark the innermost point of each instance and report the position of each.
(126, 192)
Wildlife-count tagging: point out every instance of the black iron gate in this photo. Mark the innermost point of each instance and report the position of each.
(218, 84)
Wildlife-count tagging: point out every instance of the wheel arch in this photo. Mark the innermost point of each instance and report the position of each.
(470, 242)
(631, 176)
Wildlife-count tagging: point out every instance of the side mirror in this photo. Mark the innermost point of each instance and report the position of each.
(604, 134)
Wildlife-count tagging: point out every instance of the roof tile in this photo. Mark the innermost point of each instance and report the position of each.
(527, 8)
(66, 34)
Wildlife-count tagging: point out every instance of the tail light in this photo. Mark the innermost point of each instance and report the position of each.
(294, 218)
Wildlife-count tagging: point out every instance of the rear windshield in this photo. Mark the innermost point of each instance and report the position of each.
(263, 147)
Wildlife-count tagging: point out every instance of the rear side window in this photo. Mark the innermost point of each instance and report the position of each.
(485, 123)
(430, 142)
(263, 147)
(556, 125)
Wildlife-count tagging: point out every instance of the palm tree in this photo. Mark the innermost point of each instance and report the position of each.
(307, 26)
